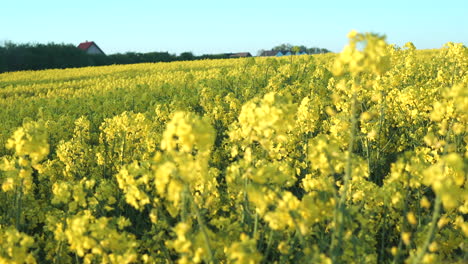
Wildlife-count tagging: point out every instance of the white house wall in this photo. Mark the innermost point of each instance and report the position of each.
(93, 50)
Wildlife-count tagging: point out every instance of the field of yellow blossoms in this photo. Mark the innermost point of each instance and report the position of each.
(356, 157)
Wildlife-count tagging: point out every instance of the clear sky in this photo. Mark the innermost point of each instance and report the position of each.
(209, 26)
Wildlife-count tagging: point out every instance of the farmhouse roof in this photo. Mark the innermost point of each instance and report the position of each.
(269, 53)
(86, 45)
(240, 55)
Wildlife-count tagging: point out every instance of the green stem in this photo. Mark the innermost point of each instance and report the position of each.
(124, 143)
(184, 205)
(396, 258)
(431, 233)
(381, 123)
(404, 220)
(202, 225)
(19, 196)
(58, 252)
(166, 253)
(245, 203)
(436, 213)
(382, 238)
(337, 237)
(267, 251)
(255, 226)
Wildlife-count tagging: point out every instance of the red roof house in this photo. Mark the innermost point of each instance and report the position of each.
(91, 48)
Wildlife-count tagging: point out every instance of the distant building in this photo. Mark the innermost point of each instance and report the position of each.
(268, 53)
(91, 48)
(240, 55)
(271, 53)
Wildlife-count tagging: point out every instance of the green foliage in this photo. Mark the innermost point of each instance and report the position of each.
(294, 49)
(20, 57)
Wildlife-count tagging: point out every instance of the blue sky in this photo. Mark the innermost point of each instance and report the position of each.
(207, 27)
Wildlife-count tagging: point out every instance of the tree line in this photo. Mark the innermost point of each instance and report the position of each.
(295, 49)
(20, 57)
